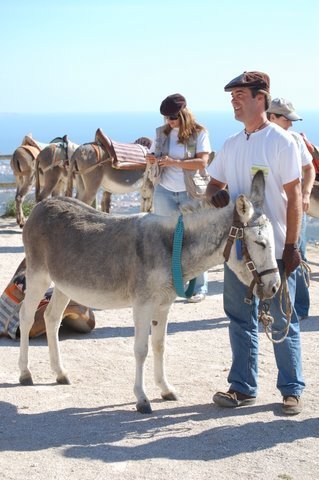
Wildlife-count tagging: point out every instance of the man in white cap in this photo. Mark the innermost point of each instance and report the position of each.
(282, 112)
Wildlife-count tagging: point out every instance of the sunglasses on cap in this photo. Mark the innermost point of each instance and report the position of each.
(172, 117)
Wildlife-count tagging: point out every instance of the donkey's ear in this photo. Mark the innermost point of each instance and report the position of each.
(257, 193)
(245, 209)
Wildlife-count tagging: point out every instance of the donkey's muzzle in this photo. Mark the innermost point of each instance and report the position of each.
(267, 290)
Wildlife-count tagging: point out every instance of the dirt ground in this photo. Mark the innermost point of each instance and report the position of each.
(91, 430)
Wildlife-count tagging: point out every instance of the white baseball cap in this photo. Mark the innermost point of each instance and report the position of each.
(283, 107)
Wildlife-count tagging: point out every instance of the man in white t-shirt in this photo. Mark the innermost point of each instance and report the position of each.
(282, 112)
(261, 145)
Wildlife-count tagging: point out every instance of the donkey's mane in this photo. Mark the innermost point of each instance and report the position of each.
(194, 207)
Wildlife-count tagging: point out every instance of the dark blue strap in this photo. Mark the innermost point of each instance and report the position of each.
(177, 264)
(239, 249)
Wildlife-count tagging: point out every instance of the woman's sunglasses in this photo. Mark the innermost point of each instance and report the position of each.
(172, 117)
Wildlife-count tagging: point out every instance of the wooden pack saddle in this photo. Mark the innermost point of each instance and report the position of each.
(125, 156)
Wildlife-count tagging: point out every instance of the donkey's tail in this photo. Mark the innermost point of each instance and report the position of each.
(37, 180)
(69, 185)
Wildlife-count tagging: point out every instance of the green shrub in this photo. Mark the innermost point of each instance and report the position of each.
(11, 208)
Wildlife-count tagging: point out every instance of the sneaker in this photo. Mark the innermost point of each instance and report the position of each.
(198, 297)
(291, 405)
(232, 399)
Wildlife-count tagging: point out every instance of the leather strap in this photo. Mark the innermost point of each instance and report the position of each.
(237, 232)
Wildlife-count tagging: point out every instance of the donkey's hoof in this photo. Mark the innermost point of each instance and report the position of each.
(169, 396)
(63, 380)
(26, 380)
(144, 407)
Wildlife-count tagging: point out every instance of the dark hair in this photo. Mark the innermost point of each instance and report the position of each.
(188, 126)
(277, 115)
(254, 93)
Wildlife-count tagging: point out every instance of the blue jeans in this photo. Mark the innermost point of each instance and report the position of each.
(302, 300)
(165, 203)
(243, 333)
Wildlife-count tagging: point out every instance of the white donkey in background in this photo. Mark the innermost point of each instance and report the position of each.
(106, 261)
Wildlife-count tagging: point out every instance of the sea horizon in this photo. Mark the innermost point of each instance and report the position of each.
(124, 126)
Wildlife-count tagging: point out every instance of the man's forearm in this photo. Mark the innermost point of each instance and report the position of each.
(309, 176)
(294, 216)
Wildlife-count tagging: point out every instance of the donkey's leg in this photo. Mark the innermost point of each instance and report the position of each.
(92, 182)
(142, 315)
(106, 202)
(159, 327)
(53, 318)
(36, 288)
(24, 184)
(79, 187)
(147, 192)
(61, 187)
(50, 180)
(61, 183)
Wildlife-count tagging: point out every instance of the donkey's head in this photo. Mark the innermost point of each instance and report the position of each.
(251, 245)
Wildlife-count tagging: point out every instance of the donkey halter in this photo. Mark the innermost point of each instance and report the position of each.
(237, 232)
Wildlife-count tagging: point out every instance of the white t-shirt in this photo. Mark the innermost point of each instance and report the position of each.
(275, 151)
(172, 178)
(305, 155)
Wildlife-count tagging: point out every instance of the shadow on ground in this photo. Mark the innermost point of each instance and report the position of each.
(96, 433)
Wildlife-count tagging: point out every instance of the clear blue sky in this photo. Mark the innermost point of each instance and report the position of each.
(127, 55)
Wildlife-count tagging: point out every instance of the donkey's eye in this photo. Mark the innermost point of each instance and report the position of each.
(262, 244)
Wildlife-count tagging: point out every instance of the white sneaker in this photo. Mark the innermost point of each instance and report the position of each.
(198, 297)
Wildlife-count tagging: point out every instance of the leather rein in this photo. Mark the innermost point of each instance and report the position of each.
(237, 233)
(264, 316)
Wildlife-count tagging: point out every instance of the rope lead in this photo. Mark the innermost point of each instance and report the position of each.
(177, 264)
(267, 320)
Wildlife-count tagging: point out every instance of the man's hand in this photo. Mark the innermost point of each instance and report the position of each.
(291, 258)
(305, 202)
(220, 199)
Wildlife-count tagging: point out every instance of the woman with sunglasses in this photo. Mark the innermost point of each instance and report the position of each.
(181, 149)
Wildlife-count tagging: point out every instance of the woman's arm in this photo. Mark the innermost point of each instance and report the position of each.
(198, 163)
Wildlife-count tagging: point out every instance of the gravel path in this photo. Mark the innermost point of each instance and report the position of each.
(90, 429)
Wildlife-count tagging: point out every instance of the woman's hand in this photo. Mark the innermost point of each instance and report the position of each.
(167, 161)
(150, 158)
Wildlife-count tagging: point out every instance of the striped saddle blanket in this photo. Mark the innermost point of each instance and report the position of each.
(125, 156)
(76, 317)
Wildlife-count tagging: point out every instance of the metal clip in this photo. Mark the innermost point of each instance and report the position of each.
(233, 232)
(240, 233)
(251, 266)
